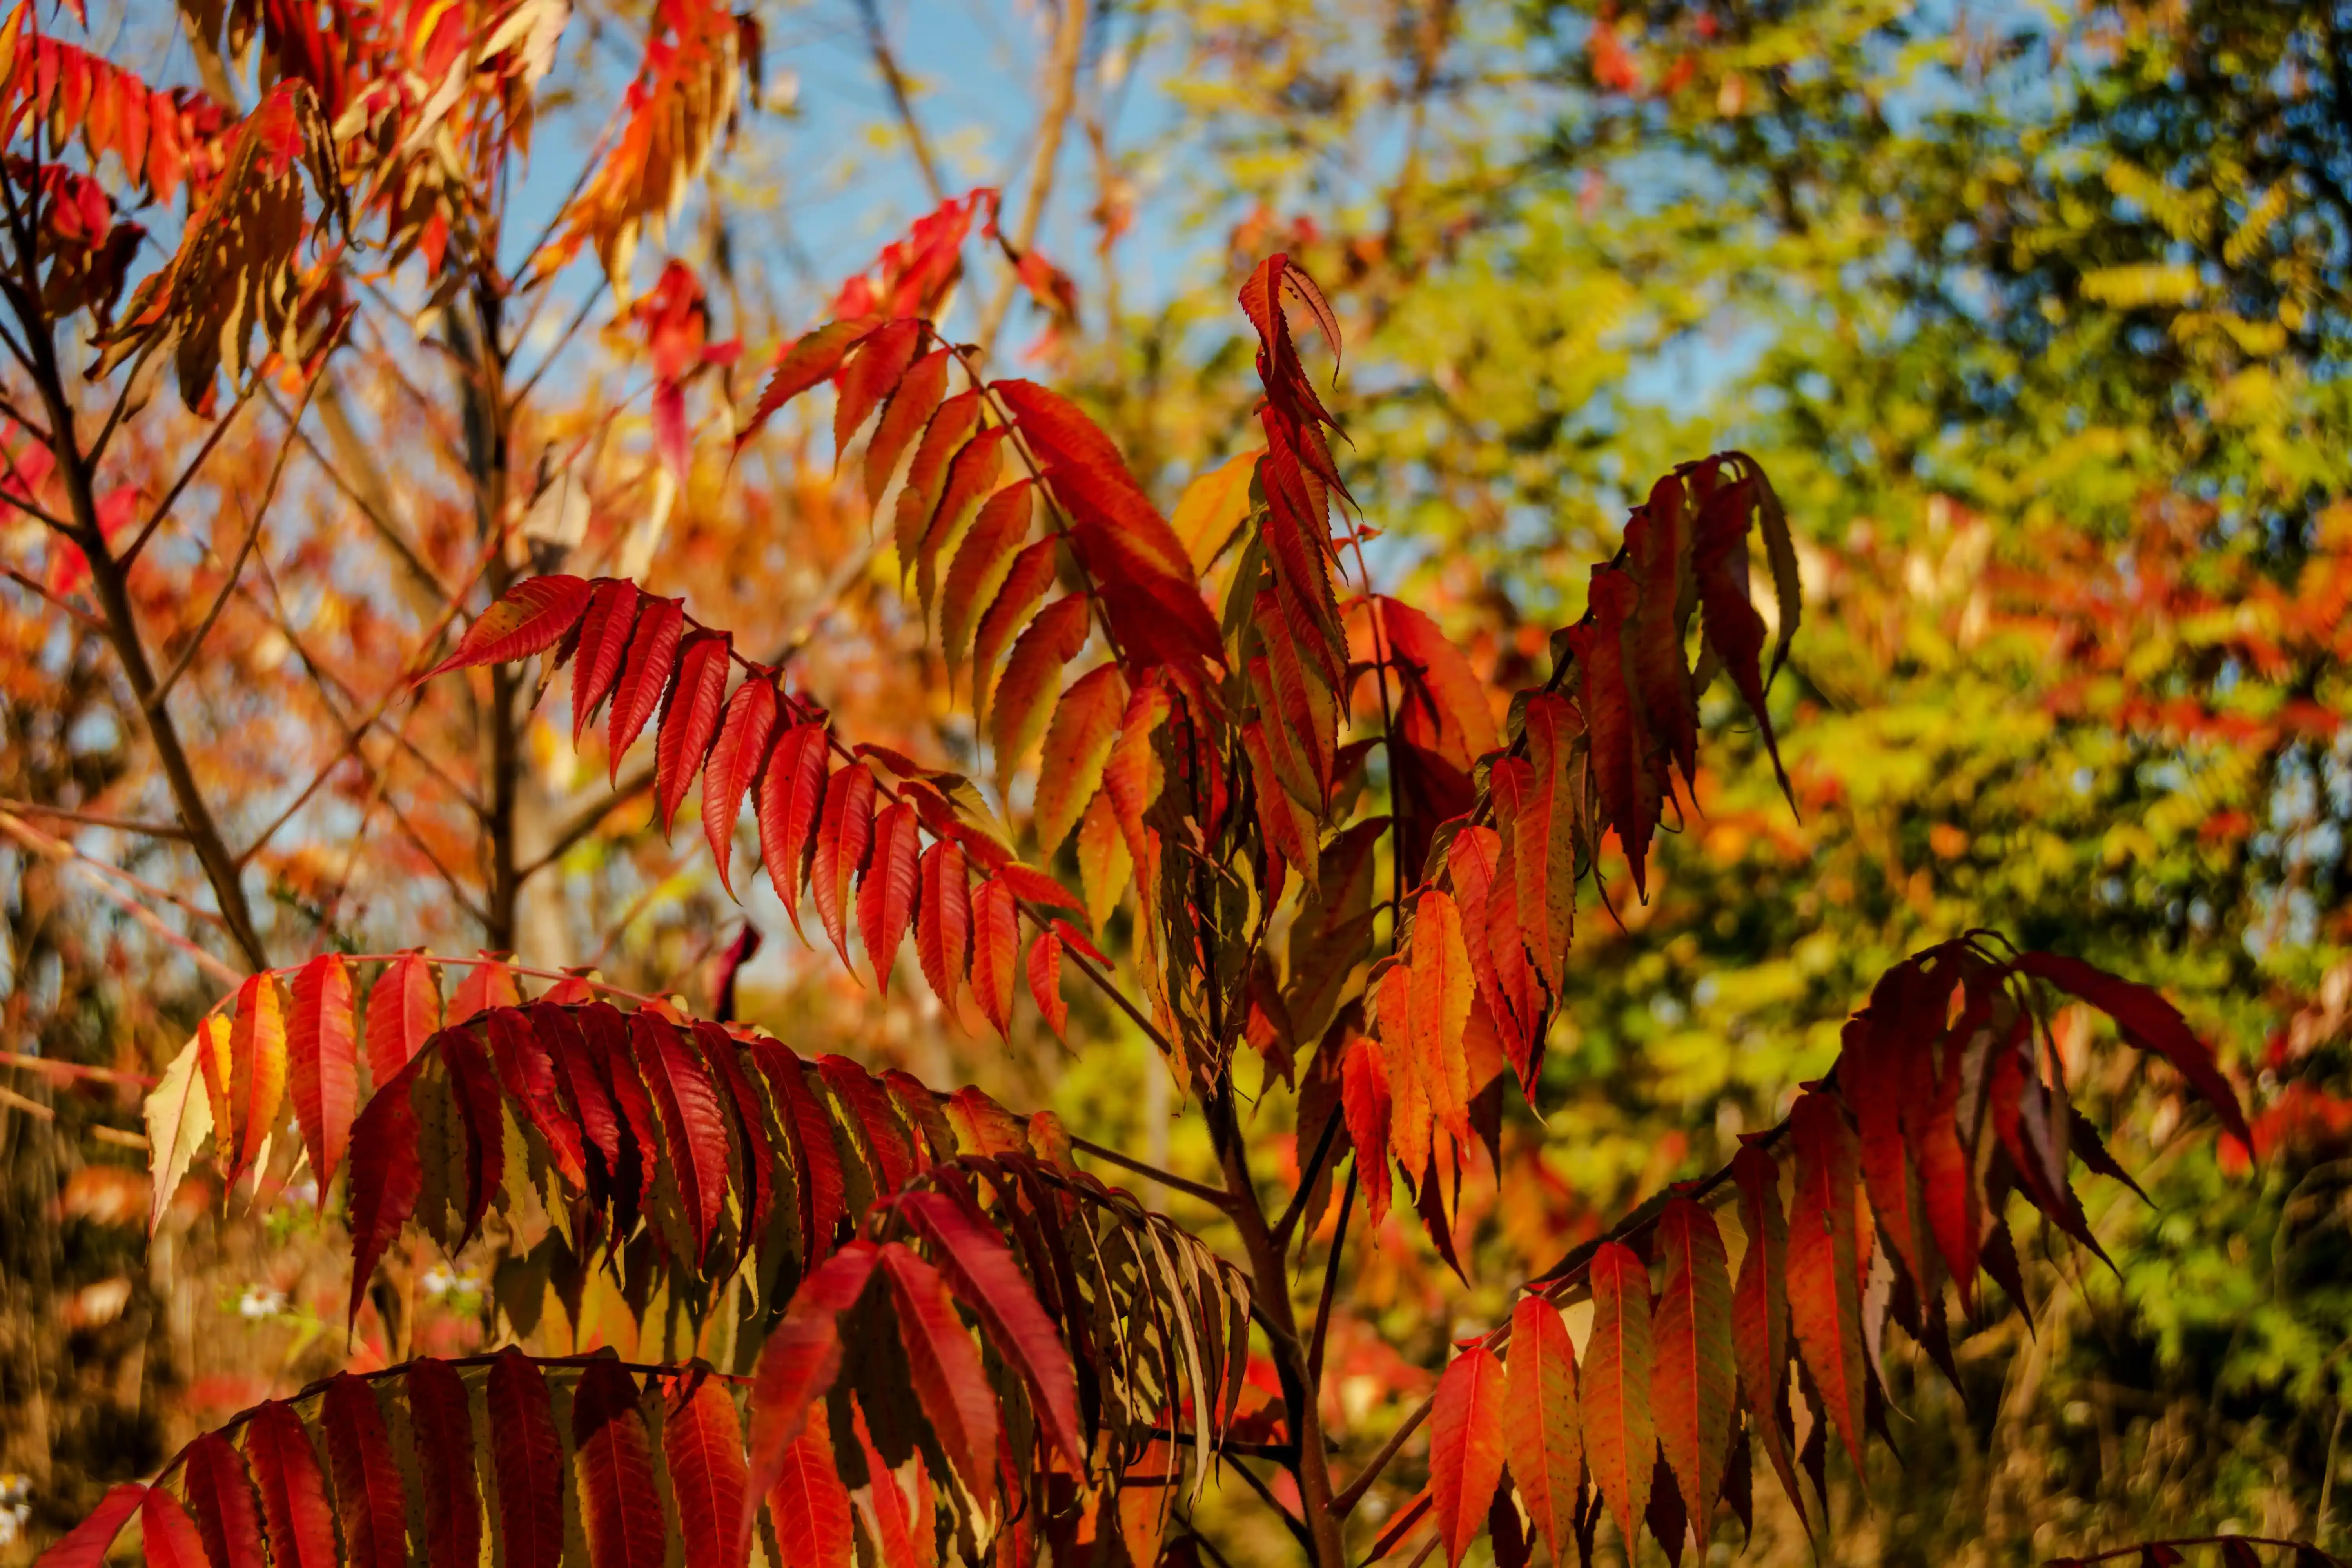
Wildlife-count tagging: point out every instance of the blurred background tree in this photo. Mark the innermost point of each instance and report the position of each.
(2038, 318)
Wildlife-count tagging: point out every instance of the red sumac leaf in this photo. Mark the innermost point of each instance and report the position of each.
(1465, 1446)
(322, 1063)
(791, 792)
(910, 408)
(1824, 1305)
(690, 721)
(951, 423)
(228, 1514)
(527, 1458)
(1691, 1379)
(982, 562)
(85, 1545)
(645, 676)
(605, 630)
(986, 1278)
(885, 898)
(945, 1365)
(1077, 743)
(882, 359)
(797, 1365)
(810, 1507)
(440, 1409)
(810, 359)
(1620, 1440)
(1025, 583)
(1759, 1311)
(1541, 1430)
(2148, 1021)
(368, 1493)
(388, 1179)
(943, 926)
(845, 833)
(168, 1536)
(703, 1442)
(614, 1455)
(692, 1130)
(1045, 970)
(736, 759)
(1026, 696)
(996, 941)
(529, 617)
(1364, 1099)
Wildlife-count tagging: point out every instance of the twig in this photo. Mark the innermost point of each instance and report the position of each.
(31, 585)
(33, 838)
(1069, 40)
(14, 1101)
(55, 1069)
(887, 65)
(585, 821)
(1210, 1196)
(94, 819)
(1331, 1281)
(187, 476)
(1297, 1526)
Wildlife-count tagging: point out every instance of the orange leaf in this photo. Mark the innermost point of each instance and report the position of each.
(1026, 695)
(1541, 1429)
(1619, 1441)
(1077, 744)
(1465, 1446)
(1825, 1307)
(1690, 1381)
(996, 939)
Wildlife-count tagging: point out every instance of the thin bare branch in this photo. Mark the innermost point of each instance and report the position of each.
(1062, 92)
(57, 849)
(94, 819)
(187, 476)
(886, 65)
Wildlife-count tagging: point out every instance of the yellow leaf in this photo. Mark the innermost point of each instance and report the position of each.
(1213, 506)
(180, 1115)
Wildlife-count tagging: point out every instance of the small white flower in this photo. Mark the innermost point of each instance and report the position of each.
(261, 1301)
(438, 1282)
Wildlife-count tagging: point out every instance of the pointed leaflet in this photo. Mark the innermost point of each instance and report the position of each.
(440, 1408)
(885, 1504)
(529, 618)
(85, 1545)
(886, 898)
(403, 1008)
(810, 358)
(213, 1056)
(220, 1492)
(1541, 1431)
(1045, 971)
(1660, 671)
(1026, 696)
(736, 758)
(645, 676)
(797, 1365)
(1824, 1305)
(605, 630)
(703, 1443)
(526, 1072)
(882, 359)
(927, 472)
(322, 1066)
(980, 1269)
(293, 1488)
(481, 1110)
(845, 832)
(694, 1135)
(969, 479)
(1759, 1311)
(1465, 1446)
(1544, 836)
(179, 1116)
(791, 792)
(1025, 583)
(751, 1173)
(690, 721)
(1077, 744)
(982, 562)
(367, 1478)
(1440, 990)
(944, 1365)
(1622, 777)
(1401, 1063)
(1443, 707)
(1364, 1100)
(388, 1179)
(2147, 1021)
(1691, 1379)
(527, 1462)
(258, 1070)
(910, 409)
(167, 1536)
(996, 941)
(817, 1175)
(1619, 1441)
(809, 1505)
(615, 1458)
(943, 922)
(1732, 627)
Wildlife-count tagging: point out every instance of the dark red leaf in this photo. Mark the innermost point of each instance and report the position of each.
(527, 1458)
(645, 676)
(618, 1501)
(168, 1536)
(797, 1365)
(403, 1008)
(885, 897)
(843, 834)
(2148, 1021)
(944, 923)
(690, 721)
(604, 631)
(220, 1492)
(441, 1411)
(791, 792)
(694, 1134)
(1824, 1304)
(368, 1493)
(945, 1365)
(386, 1181)
(1691, 1379)
(810, 358)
